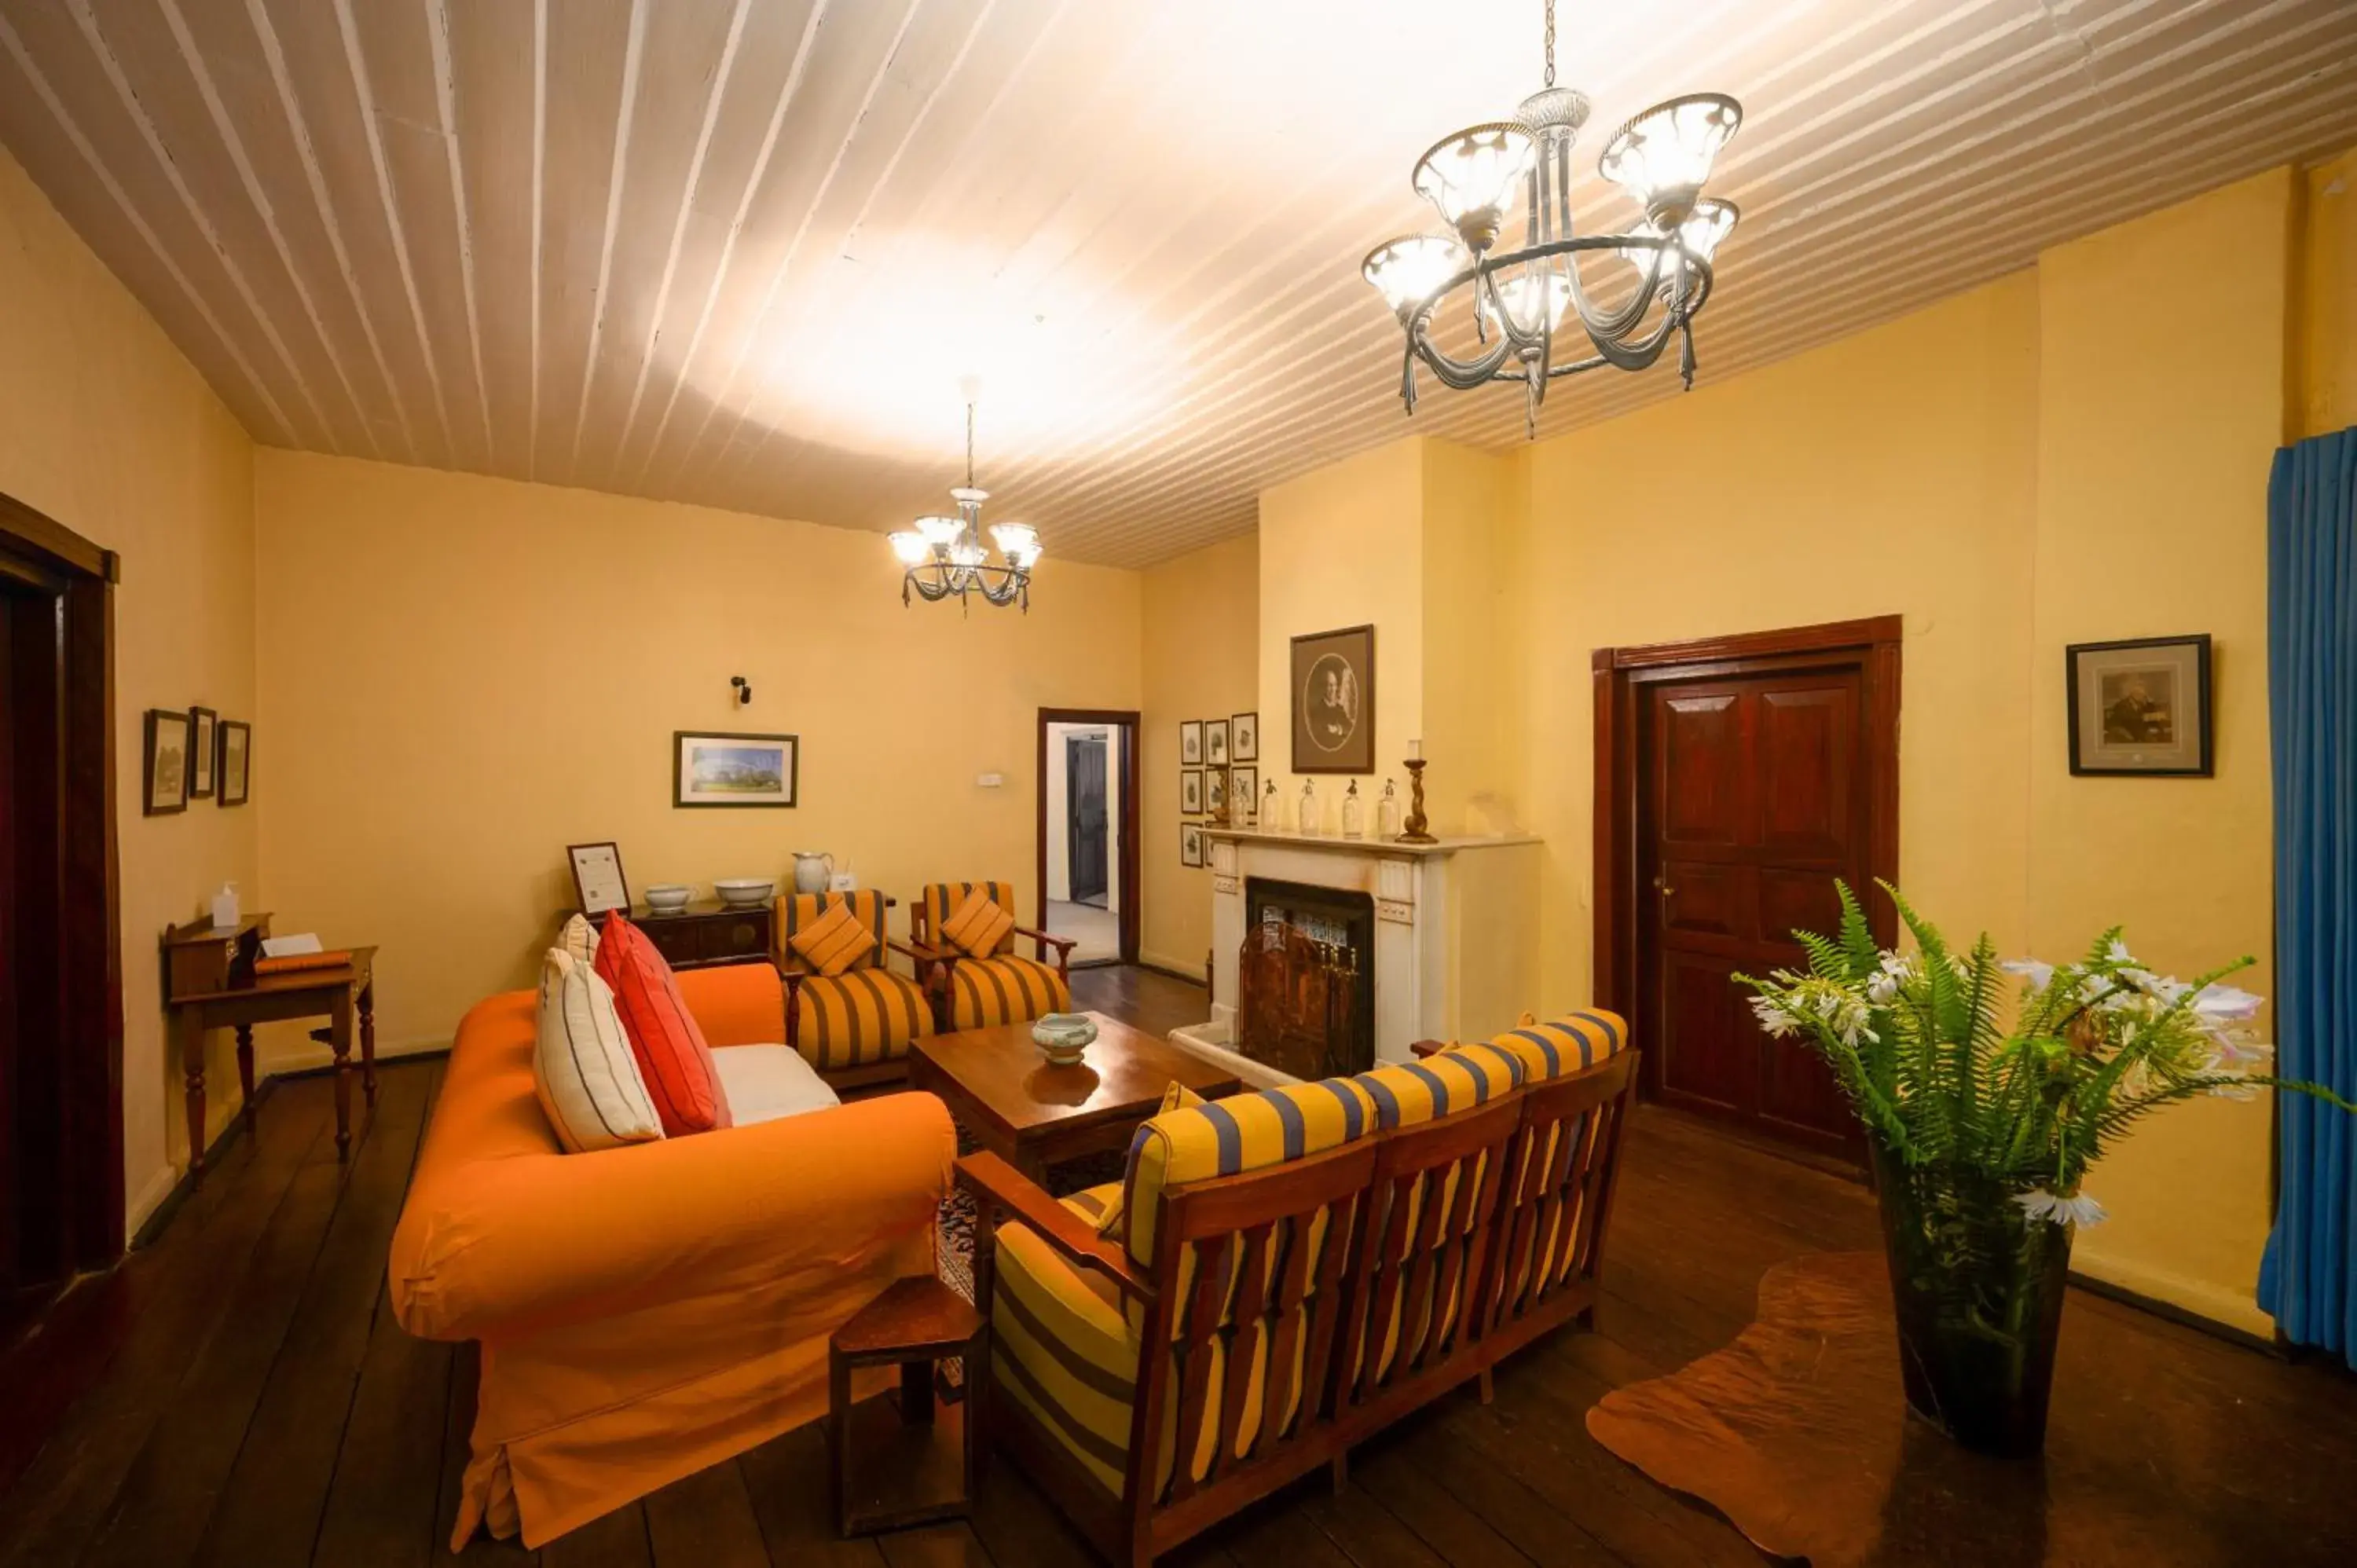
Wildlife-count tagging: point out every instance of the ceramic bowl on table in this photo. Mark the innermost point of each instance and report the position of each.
(669, 897)
(1064, 1037)
(745, 892)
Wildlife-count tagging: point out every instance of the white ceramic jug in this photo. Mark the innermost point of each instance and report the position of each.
(811, 869)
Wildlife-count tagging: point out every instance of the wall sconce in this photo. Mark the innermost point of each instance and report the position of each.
(744, 692)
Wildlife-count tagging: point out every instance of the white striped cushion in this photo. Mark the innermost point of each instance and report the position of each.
(582, 1068)
(579, 937)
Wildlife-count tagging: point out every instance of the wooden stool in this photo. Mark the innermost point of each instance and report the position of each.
(899, 1460)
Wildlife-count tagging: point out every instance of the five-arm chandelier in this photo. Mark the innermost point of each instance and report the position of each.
(945, 556)
(1521, 298)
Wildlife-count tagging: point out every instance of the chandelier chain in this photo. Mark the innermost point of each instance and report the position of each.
(1550, 43)
(969, 446)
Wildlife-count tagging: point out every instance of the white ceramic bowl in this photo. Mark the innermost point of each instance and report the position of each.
(669, 896)
(745, 891)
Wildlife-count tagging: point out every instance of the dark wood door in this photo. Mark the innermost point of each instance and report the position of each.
(1084, 787)
(1754, 797)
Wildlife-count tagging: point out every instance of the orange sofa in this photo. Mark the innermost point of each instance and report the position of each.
(649, 1310)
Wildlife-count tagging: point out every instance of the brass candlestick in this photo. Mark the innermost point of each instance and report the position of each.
(1413, 831)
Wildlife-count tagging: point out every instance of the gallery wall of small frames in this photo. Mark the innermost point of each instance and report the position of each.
(1219, 779)
(194, 754)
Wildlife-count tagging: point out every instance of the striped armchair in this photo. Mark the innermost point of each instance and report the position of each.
(854, 1028)
(1002, 988)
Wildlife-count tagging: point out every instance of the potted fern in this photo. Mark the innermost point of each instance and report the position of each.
(1981, 1135)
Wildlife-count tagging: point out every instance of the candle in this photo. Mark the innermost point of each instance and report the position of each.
(1415, 751)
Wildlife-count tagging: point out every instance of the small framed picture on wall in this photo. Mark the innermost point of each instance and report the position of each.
(1191, 843)
(1244, 738)
(2141, 707)
(597, 881)
(1191, 744)
(166, 775)
(1215, 790)
(1244, 792)
(1215, 743)
(1190, 792)
(204, 722)
(233, 768)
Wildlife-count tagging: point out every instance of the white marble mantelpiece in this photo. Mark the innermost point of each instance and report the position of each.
(1455, 943)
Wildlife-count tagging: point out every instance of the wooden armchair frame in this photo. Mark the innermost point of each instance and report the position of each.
(944, 960)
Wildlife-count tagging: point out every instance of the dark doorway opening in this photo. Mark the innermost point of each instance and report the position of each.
(1736, 779)
(60, 969)
(1090, 889)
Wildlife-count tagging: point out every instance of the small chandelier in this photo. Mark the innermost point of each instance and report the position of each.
(1521, 297)
(945, 557)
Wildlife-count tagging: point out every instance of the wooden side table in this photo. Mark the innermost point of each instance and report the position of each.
(344, 994)
(904, 1460)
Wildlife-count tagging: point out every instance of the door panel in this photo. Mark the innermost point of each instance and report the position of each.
(1084, 773)
(1751, 802)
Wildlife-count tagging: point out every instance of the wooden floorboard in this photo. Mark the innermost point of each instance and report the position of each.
(238, 1393)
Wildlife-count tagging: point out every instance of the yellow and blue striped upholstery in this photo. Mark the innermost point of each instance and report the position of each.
(1559, 1046)
(988, 991)
(861, 1016)
(1060, 1348)
(799, 910)
(940, 901)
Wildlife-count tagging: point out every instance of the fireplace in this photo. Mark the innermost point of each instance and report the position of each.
(1305, 979)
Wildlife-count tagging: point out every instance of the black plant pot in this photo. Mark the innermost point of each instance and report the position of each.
(1978, 1286)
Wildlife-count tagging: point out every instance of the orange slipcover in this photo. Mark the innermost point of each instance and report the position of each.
(649, 1310)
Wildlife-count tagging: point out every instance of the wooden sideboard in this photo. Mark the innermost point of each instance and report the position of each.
(705, 934)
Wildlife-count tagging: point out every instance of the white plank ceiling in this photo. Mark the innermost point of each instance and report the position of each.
(739, 252)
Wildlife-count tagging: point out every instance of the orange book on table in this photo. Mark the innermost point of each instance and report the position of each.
(292, 962)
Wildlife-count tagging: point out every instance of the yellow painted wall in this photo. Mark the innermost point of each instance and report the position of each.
(107, 429)
(1201, 626)
(2326, 341)
(1475, 643)
(2162, 375)
(462, 675)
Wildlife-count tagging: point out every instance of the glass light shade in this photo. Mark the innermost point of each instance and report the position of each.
(1471, 178)
(1407, 270)
(911, 547)
(939, 529)
(1019, 542)
(968, 552)
(1662, 157)
(1710, 222)
(1527, 295)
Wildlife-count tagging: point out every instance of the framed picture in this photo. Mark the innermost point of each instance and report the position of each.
(1191, 843)
(1215, 743)
(597, 881)
(713, 769)
(167, 772)
(2141, 707)
(1243, 793)
(233, 768)
(1244, 738)
(1215, 790)
(203, 723)
(1190, 792)
(1190, 742)
(1334, 700)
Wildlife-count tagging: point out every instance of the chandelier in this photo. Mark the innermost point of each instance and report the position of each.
(1518, 299)
(945, 558)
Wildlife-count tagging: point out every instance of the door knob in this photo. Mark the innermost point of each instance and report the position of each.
(1666, 890)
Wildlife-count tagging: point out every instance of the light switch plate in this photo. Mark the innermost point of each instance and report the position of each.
(990, 780)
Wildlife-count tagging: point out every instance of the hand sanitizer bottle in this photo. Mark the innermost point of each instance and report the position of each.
(225, 911)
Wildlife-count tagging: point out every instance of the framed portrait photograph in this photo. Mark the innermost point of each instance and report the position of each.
(1191, 843)
(233, 767)
(166, 774)
(1215, 743)
(718, 770)
(1244, 738)
(2141, 707)
(1190, 792)
(1215, 790)
(1334, 700)
(597, 881)
(1190, 742)
(203, 724)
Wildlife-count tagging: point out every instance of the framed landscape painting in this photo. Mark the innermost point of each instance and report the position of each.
(1334, 700)
(717, 769)
(2141, 705)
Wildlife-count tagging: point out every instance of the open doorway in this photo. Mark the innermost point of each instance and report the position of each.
(1088, 831)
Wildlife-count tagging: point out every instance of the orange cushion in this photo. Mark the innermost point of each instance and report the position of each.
(832, 943)
(978, 925)
(665, 1037)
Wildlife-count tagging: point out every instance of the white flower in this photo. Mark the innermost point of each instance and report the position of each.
(1883, 986)
(1774, 1019)
(2078, 1210)
(2039, 974)
(2118, 952)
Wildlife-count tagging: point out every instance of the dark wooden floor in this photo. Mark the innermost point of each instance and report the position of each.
(238, 1394)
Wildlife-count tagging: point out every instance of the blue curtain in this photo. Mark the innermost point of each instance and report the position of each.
(2308, 1280)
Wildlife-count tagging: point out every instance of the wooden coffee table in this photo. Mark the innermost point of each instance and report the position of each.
(1033, 1115)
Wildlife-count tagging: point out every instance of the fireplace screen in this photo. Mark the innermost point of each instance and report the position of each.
(1306, 988)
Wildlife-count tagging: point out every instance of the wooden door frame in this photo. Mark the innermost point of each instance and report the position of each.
(86, 1094)
(1618, 673)
(1126, 725)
